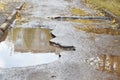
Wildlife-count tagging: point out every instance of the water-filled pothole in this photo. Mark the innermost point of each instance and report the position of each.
(32, 39)
(108, 63)
(27, 47)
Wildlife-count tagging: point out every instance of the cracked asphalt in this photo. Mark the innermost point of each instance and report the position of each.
(89, 46)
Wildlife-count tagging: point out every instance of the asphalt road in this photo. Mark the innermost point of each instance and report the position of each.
(96, 55)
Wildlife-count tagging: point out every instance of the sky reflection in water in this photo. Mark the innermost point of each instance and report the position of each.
(11, 57)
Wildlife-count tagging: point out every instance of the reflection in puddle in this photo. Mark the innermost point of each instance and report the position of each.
(27, 47)
(100, 30)
(109, 63)
(32, 39)
(8, 60)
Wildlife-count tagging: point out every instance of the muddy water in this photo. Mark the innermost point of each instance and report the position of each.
(107, 63)
(32, 39)
(27, 47)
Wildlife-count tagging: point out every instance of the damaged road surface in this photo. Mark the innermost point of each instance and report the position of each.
(23, 47)
(60, 40)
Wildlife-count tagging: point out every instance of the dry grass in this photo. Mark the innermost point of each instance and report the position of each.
(99, 30)
(83, 21)
(76, 11)
(2, 6)
(111, 5)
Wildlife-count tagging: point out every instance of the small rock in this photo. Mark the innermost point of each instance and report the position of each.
(59, 55)
(53, 76)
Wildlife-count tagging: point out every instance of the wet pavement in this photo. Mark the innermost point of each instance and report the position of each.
(108, 63)
(96, 44)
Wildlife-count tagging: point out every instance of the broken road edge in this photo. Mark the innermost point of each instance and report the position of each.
(5, 26)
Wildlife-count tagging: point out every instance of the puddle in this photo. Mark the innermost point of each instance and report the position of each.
(31, 39)
(100, 30)
(27, 47)
(108, 63)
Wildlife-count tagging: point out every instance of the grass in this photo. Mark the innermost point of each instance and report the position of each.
(110, 5)
(99, 30)
(83, 21)
(78, 12)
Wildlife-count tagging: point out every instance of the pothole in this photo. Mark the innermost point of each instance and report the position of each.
(27, 47)
(32, 39)
(107, 63)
